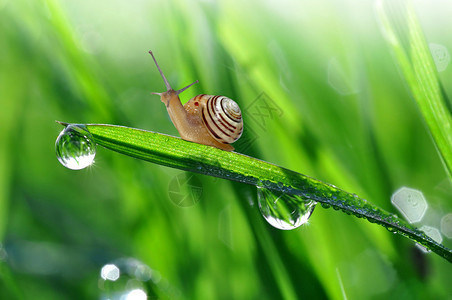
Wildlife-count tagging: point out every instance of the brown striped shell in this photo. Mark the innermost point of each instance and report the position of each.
(223, 119)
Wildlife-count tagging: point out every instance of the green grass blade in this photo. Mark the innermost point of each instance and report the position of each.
(177, 153)
(9, 283)
(404, 34)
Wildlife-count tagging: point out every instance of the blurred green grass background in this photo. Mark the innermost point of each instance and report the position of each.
(342, 114)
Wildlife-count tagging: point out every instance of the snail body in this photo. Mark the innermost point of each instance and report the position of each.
(205, 119)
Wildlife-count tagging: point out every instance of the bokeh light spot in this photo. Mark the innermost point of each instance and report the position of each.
(411, 203)
(446, 225)
(338, 79)
(136, 295)
(433, 233)
(110, 272)
(440, 55)
(92, 42)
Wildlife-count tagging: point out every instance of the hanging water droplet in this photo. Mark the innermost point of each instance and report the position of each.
(284, 211)
(325, 205)
(75, 148)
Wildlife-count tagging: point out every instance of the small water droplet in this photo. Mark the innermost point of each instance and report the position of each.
(391, 229)
(75, 148)
(325, 205)
(284, 211)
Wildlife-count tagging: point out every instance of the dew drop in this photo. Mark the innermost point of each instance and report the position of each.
(325, 205)
(391, 229)
(75, 148)
(284, 211)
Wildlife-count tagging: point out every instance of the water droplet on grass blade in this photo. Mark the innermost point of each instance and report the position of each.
(284, 211)
(75, 148)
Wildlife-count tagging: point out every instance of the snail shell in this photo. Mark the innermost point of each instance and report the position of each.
(222, 118)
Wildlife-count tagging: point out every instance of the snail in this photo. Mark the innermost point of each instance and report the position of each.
(205, 119)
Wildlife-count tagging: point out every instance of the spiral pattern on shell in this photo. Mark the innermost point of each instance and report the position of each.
(223, 119)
